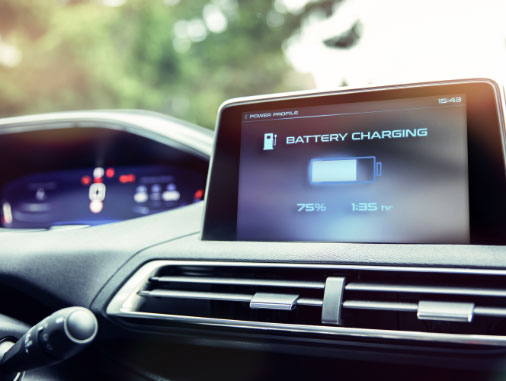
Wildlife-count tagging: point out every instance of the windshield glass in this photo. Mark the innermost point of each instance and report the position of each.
(184, 58)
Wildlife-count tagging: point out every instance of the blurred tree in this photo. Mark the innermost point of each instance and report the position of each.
(178, 57)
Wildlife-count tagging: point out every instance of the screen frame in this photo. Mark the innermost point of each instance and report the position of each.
(487, 171)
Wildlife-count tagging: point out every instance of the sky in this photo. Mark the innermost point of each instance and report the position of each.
(405, 41)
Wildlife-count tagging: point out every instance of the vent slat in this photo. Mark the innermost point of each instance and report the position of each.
(413, 307)
(378, 287)
(310, 302)
(381, 306)
(239, 282)
(490, 311)
(197, 295)
(218, 296)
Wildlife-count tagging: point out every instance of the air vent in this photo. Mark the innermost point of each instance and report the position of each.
(444, 305)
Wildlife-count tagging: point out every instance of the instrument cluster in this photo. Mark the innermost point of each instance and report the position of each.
(99, 195)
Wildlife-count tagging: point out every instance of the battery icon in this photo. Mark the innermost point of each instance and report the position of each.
(346, 170)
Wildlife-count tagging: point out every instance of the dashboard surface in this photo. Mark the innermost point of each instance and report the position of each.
(198, 300)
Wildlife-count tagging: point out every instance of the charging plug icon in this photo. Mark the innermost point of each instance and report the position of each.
(269, 141)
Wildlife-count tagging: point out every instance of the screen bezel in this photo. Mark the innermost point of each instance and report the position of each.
(487, 174)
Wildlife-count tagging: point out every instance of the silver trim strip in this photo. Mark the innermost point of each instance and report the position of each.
(413, 307)
(220, 296)
(380, 306)
(377, 287)
(239, 282)
(326, 330)
(310, 302)
(490, 311)
(125, 302)
(176, 294)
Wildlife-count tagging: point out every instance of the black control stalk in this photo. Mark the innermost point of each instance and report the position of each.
(58, 337)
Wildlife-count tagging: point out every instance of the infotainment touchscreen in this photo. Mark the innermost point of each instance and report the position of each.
(420, 163)
(380, 171)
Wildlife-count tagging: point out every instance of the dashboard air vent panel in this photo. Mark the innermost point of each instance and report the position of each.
(440, 305)
(226, 293)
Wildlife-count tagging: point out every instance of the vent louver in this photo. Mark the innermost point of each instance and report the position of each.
(444, 305)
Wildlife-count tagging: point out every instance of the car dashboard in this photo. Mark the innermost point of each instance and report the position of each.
(179, 294)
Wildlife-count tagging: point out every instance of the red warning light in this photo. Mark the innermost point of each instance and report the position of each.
(86, 180)
(109, 173)
(199, 194)
(130, 178)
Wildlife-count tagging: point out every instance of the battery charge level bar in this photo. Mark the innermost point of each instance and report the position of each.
(345, 170)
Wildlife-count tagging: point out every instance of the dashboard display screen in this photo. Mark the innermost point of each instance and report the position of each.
(421, 163)
(380, 171)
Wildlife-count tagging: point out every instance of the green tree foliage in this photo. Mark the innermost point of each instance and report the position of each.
(178, 57)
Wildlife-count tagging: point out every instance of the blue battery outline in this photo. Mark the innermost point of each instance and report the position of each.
(377, 170)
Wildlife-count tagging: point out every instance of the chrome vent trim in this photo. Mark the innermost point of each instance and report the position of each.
(325, 330)
(428, 309)
(239, 282)
(356, 286)
(247, 298)
(126, 303)
(382, 306)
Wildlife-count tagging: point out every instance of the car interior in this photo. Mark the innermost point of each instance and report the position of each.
(356, 232)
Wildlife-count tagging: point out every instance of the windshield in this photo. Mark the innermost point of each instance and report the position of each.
(184, 58)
